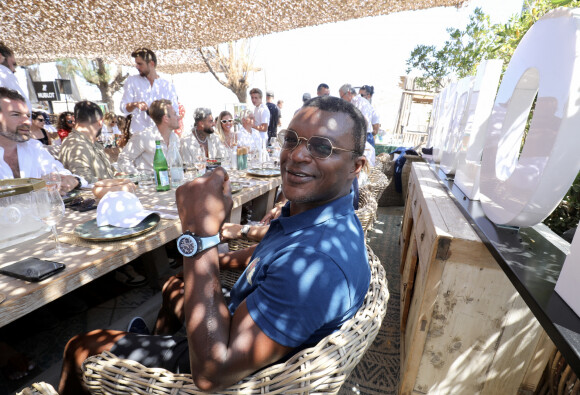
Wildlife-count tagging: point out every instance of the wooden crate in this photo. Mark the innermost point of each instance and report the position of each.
(464, 327)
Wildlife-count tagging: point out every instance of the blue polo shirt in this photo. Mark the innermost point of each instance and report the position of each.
(308, 276)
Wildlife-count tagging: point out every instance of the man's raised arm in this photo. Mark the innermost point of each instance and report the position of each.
(223, 349)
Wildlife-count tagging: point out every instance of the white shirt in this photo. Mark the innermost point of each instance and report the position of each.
(370, 153)
(262, 115)
(34, 161)
(375, 118)
(367, 110)
(139, 152)
(138, 89)
(107, 134)
(191, 148)
(253, 141)
(9, 80)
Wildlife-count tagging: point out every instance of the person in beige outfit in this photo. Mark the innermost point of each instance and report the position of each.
(80, 151)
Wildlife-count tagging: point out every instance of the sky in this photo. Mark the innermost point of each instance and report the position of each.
(369, 51)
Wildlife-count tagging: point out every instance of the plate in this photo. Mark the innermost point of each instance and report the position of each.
(90, 231)
(236, 187)
(263, 172)
(69, 196)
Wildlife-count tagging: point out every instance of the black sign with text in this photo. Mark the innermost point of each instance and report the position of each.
(46, 90)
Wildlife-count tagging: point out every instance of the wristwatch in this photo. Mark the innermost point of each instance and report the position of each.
(244, 231)
(189, 244)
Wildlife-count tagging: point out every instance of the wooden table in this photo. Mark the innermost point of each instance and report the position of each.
(87, 260)
(465, 329)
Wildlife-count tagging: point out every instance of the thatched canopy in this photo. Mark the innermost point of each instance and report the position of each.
(45, 30)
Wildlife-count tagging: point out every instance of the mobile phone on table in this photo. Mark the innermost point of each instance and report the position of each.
(32, 269)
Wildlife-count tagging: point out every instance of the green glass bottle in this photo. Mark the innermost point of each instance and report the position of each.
(161, 168)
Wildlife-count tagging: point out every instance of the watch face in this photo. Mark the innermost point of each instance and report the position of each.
(187, 245)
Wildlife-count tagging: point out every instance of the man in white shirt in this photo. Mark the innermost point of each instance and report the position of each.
(367, 92)
(261, 113)
(202, 143)
(348, 93)
(141, 90)
(21, 156)
(139, 152)
(7, 70)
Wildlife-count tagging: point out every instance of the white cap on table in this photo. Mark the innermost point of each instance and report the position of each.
(122, 209)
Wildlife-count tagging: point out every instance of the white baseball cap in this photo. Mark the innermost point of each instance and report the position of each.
(122, 209)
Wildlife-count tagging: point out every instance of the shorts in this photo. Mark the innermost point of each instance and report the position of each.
(167, 352)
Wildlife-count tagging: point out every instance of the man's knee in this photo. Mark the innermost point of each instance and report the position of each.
(82, 346)
(173, 287)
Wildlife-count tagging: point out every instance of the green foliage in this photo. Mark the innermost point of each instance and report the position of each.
(465, 49)
(460, 55)
(567, 214)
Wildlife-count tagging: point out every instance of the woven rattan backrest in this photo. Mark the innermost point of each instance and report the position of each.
(321, 369)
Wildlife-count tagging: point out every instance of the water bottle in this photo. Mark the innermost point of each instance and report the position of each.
(161, 168)
(175, 166)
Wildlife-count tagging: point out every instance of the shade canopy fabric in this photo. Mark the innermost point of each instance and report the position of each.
(45, 30)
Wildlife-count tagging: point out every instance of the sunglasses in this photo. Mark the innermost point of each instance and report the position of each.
(81, 204)
(70, 122)
(227, 121)
(319, 147)
(39, 119)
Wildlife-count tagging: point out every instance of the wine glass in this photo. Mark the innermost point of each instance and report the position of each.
(49, 208)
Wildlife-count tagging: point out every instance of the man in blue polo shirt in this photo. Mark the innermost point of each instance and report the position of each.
(308, 275)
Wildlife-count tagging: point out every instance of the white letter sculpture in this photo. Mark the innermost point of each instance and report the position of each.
(523, 191)
(480, 103)
(444, 118)
(455, 133)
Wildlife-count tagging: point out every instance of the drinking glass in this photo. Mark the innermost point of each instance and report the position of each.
(52, 179)
(200, 162)
(146, 178)
(49, 208)
(189, 169)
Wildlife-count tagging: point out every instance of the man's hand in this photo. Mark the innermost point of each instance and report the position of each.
(141, 105)
(204, 203)
(231, 231)
(68, 183)
(270, 215)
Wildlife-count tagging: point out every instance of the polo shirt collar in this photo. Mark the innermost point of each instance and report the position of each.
(315, 216)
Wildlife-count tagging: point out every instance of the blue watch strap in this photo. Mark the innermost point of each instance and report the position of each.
(209, 242)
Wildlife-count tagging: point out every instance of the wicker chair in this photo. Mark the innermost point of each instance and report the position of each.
(40, 388)
(378, 181)
(319, 369)
(228, 277)
(367, 208)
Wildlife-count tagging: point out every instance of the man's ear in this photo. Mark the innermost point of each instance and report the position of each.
(358, 164)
